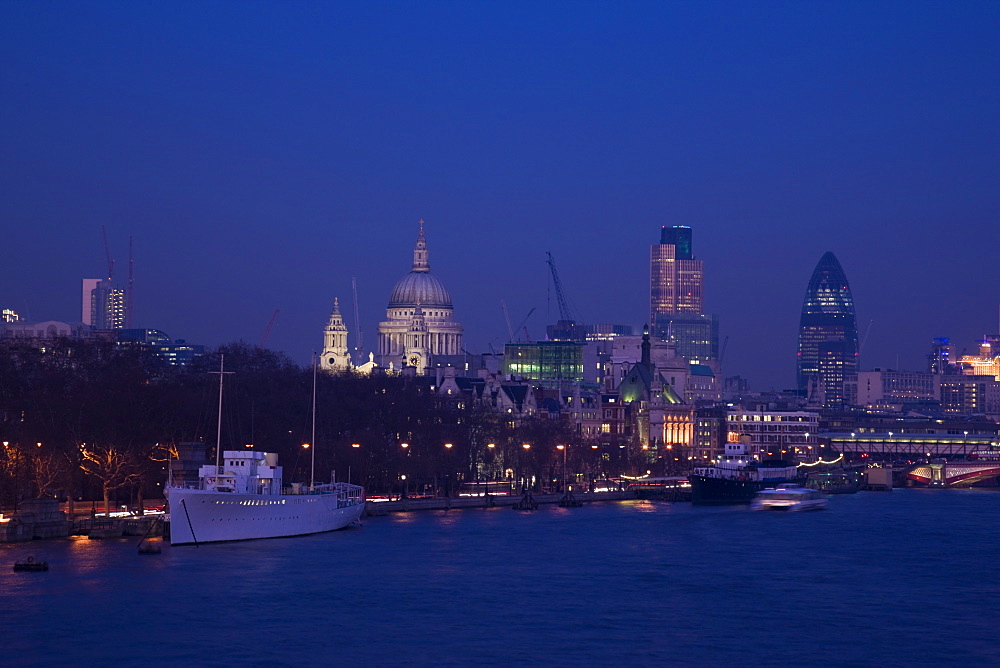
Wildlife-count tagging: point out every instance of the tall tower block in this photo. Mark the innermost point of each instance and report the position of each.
(828, 333)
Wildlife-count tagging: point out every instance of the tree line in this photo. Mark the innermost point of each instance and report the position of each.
(97, 421)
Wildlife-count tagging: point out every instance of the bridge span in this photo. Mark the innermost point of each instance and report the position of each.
(892, 445)
(954, 474)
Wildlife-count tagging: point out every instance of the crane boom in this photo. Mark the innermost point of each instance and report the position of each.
(564, 310)
(270, 324)
(506, 317)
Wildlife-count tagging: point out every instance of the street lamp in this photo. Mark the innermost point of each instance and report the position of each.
(449, 445)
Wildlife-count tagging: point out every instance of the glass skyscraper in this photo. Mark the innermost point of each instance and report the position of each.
(828, 333)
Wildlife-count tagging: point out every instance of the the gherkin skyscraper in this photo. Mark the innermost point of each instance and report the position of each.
(828, 334)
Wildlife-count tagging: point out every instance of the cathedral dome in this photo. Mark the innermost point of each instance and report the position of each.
(419, 287)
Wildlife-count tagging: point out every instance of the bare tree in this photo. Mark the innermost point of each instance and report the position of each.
(115, 467)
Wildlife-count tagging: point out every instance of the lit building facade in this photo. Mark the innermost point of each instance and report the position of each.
(545, 361)
(419, 330)
(885, 386)
(971, 395)
(828, 335)
(775, 434)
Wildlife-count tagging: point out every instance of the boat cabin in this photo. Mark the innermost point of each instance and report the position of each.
(243, 472)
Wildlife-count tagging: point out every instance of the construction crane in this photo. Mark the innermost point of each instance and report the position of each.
(564, 311)
(270, 324)
(524, 326)
(506, 317)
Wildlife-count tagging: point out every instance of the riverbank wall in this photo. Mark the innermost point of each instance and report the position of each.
(375, 508)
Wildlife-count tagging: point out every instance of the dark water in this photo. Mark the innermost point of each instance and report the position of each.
(879, 578)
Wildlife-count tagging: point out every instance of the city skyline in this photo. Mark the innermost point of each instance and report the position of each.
(262, 158)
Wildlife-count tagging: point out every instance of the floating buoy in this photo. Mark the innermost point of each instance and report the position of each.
(149, 547)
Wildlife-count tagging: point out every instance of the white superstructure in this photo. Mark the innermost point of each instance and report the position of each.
(242, 499)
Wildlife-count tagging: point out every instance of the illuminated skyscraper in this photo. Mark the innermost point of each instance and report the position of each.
(675, 277)
(676, 302)
(828, 333)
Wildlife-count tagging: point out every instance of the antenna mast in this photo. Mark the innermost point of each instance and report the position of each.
(129, 296)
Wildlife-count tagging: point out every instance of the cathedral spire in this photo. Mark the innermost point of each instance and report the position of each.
(420, 262)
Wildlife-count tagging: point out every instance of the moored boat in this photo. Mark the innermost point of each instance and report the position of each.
(835, 482)
(737, 476)
(241, 497)
(246, 501)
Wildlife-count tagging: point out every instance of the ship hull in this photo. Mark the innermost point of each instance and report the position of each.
(706, 490)
(200, 516)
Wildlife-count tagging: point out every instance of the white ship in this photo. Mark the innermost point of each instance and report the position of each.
(240, 497)
(245, 502)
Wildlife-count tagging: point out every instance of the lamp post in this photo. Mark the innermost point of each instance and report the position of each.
(525, 447)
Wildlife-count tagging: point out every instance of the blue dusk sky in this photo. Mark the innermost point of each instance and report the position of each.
(262, 155)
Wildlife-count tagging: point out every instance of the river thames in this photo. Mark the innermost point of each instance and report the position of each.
(911, 576)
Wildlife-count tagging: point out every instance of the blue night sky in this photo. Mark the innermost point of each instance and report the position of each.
(263, 154)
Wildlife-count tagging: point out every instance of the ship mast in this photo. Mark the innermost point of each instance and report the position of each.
(218, 434)
(312, 467)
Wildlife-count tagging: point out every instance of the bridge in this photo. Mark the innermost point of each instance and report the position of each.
(954, 474)
(902, 445)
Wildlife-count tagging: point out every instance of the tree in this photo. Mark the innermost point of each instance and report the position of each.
(115, 467)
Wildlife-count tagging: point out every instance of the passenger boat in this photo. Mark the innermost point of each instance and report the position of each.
(790, 498)
(736, 476)
(242, 497)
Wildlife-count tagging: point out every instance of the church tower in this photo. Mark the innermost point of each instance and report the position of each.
(335, 356)
(416, 354)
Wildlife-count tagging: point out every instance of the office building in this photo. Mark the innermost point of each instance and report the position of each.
(828, 335)
(676, 297)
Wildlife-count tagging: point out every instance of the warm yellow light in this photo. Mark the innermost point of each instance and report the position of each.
(404, 445)
(491, 445)
(40, 445)
(402, 477)
(593, 447)
(526, 446)
(560, 447)
(448, 445)
(305, 446)
(355, 445)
